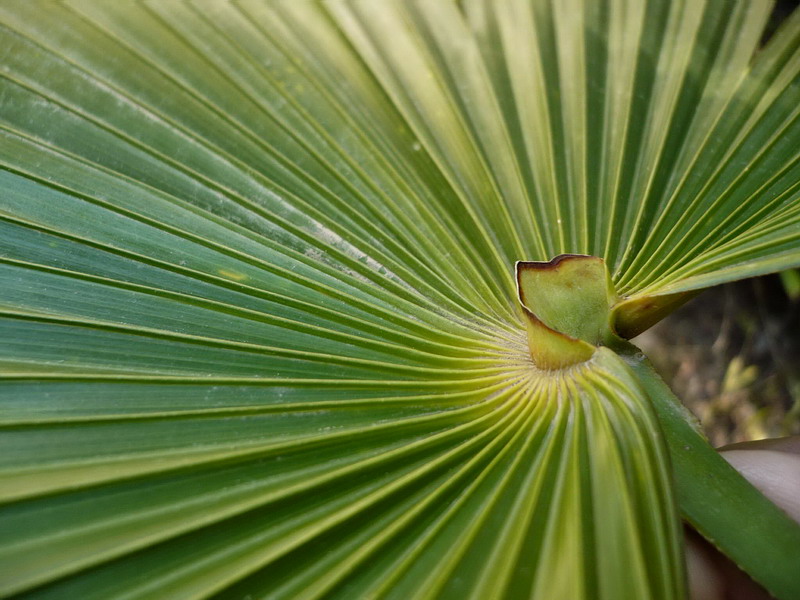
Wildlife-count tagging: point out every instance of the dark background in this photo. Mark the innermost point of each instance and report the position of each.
(732, 355)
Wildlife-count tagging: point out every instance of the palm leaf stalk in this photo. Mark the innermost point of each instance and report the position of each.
(263, 334)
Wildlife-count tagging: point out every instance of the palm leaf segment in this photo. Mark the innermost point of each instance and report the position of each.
(260, 329)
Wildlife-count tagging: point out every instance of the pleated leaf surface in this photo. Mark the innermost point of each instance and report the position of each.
(259, 332)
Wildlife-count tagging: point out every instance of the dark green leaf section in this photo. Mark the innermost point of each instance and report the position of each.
(260, 332)
(719, 502)
(541, 485)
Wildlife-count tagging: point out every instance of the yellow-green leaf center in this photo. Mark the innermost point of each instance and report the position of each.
(567, 305)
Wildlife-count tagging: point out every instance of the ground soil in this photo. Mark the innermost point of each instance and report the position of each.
(733, 355)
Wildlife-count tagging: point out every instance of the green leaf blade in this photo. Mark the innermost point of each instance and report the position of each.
(259, 324)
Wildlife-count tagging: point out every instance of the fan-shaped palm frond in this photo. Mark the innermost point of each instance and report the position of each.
(260, 327)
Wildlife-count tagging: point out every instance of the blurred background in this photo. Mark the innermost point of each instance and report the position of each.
(733, 355)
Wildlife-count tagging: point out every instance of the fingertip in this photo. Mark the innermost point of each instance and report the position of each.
(776, 473)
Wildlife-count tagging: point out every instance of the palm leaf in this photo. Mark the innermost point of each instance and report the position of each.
(260, 326)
